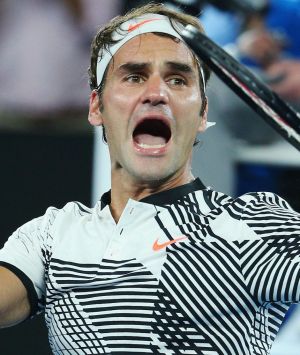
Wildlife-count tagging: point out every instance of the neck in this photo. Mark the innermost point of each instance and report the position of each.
(123, 189)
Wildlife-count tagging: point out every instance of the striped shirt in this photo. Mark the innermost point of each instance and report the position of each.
(185, 271)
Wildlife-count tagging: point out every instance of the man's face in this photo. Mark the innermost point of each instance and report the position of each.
(151, 107)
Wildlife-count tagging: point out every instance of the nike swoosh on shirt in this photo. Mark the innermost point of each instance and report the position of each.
(156, 246)
(132, 27)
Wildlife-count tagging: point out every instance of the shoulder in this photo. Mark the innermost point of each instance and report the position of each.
(257, 202)
(72, 211)
(77, 209)
(268, 215)
(252, 202)
(260, 206)
(256, 215)
(68, 214)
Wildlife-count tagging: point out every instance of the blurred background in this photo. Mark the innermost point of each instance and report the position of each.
(50, 155)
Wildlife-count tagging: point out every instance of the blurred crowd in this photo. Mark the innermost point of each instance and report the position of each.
(44, 55)
(269, 42)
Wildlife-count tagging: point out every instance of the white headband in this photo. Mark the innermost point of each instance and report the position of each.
(135, 27)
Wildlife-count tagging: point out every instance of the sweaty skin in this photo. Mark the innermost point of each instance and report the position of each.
(157, 77)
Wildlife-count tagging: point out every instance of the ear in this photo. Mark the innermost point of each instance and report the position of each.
(203, 122)
(95, 116)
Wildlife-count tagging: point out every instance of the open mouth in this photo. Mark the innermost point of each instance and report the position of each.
(152, 133)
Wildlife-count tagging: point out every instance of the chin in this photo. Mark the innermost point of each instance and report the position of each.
(153, 178)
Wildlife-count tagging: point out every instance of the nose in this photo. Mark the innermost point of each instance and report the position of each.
(155, 92)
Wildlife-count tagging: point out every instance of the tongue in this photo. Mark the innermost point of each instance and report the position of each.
(148, 139)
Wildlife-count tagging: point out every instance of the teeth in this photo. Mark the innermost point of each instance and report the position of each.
(146, 146)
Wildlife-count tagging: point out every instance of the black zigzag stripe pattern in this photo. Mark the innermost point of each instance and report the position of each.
(192, 217)
(200, 274)
(223, 290)
(106, 308)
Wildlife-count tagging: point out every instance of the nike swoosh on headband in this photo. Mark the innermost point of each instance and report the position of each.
(133, 27)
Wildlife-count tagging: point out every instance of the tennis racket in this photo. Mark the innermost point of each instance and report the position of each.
(275, 111)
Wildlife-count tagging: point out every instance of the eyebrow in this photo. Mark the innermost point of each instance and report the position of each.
(135, 67)
(178, 66)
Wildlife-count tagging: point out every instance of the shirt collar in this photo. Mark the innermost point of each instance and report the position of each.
(164, 197)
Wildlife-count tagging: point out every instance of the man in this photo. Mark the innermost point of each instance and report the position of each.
(162, 265)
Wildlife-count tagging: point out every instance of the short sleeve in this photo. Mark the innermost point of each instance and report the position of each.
(271, 263)
(27, 253)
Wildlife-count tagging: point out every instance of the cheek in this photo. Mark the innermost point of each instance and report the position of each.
(190, 100)
(116, 102)
(190, 118)
(116, 115)
(194, 100)
(190, 108)
(119, 99)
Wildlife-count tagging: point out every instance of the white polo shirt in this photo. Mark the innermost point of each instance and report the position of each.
(184, 271)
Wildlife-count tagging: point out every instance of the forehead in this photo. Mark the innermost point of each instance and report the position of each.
(150, 47)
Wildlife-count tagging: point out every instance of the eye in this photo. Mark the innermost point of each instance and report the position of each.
(135, 78)
(177, 81)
